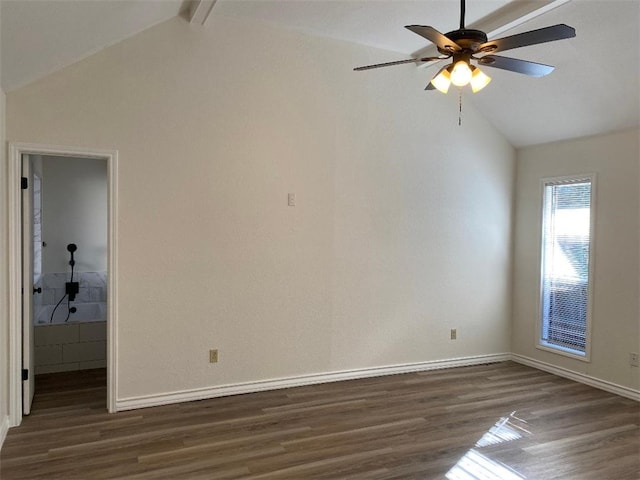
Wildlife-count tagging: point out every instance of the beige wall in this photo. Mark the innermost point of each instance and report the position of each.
(402, 228)
(615, 332)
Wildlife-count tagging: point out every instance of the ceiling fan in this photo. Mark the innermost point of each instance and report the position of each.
(465, 45)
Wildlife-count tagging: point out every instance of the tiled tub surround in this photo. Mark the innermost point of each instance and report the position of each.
(85, 312)
(70, 346)
(93, 287)
(79, 343)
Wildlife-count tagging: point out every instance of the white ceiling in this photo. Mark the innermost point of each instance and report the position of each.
(594, 89)
(42, 36)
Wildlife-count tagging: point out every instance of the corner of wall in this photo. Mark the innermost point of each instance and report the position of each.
(512, 247)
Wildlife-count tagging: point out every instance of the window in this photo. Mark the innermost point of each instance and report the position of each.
(566, 241)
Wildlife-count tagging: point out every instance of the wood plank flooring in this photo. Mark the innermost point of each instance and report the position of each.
(499, 421)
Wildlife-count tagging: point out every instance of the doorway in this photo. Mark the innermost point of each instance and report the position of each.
(65, 206)
(67, 269)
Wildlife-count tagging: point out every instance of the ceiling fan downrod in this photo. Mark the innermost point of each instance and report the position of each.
(462, 11)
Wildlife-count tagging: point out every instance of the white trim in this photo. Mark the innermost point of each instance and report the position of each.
(540, 344)
(560, 350)
(299, 381)
(112, 290)
(16, 150)
(4, 428)
(578, 377)
(15, 283)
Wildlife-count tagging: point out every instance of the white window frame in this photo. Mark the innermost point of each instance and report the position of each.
(540, 343)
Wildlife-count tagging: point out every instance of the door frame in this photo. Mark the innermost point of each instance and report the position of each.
(16, 151)
(28, 243)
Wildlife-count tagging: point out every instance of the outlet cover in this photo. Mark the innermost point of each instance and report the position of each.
(454, 333)
(634, 361)
(213, 356)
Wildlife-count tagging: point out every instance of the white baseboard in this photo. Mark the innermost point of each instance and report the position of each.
(259, 386)
(143, 401)
(578, 377)
(4, 428)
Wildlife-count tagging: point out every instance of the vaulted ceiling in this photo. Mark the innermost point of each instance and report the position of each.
(594, 89)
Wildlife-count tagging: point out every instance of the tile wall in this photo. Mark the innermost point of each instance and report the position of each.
(93, 287)
(70, 346)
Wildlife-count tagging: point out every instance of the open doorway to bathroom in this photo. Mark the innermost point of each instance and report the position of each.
(62, 273)
(69, 271)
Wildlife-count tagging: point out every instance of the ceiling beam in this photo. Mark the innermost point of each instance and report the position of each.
(200, 11)
(510, 16)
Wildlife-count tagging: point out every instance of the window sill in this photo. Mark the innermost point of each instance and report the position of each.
(564, 351)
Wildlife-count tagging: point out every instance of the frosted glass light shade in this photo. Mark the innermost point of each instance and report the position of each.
(442, 81)
(479, 80)
(461, 74)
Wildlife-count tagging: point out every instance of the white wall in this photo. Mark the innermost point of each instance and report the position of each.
(615, 315)
(402, 228)
(74, 210)
(4, 269)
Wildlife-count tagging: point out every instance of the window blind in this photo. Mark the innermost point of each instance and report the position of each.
(565, 263)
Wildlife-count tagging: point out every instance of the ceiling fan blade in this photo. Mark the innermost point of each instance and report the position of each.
(515, 65)
(532, 37)
(435, 37)
(399, 62)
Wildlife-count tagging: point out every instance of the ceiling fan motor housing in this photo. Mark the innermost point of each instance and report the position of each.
(467, 39)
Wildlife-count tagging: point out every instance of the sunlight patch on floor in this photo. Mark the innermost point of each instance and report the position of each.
(475, 465)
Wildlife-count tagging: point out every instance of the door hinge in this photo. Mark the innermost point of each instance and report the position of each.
(25, 374)
(24, 184)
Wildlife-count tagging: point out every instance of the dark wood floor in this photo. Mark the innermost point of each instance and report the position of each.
(499, 421)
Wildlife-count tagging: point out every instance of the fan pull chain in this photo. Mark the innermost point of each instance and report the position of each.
(460, 108)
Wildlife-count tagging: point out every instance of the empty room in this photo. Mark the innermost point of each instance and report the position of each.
(340, 239)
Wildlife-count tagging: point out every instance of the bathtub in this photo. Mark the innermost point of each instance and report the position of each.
(77, 344)
(86, 312)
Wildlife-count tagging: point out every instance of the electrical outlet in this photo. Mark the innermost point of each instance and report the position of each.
(213, 356)
(633, 360)
(454, 333)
